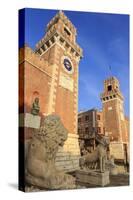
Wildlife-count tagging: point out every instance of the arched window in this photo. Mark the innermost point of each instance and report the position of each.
(35, 94)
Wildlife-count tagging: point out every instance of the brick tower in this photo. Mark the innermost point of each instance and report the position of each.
(113, 117)
(59, 48)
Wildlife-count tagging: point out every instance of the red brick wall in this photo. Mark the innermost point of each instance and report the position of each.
(110, 118)
(65, 99)
(36, 81)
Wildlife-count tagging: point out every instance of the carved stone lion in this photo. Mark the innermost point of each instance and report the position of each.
(98, 156)
(40, 161)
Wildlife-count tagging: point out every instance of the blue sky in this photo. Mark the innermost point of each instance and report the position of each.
(104, 39)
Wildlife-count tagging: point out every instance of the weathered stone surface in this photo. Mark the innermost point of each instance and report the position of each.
(30, 121)
(69, 152)
(116, 149)
(114, 171)
(98, 157)
(66, 82)
(111, 166)
(41, 170)
(93, 177)
(121, 169)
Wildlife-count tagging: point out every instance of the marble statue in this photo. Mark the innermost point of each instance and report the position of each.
(35, 107)
(97, 158)
(40, 160)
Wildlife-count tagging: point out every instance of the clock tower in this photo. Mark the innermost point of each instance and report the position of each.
(59, 48)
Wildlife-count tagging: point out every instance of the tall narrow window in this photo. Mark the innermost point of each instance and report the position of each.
(109, 87)
(86, 118)
(98, 117)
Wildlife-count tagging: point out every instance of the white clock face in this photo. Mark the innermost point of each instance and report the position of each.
(67, 64)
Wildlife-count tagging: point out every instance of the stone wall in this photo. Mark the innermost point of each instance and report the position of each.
(68, 156)
(34, 77)
(116, 149)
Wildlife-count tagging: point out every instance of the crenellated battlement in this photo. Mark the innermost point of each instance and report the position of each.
(111, 89)
(61, 16)
(62, 32)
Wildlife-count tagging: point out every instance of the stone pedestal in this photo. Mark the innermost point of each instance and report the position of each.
(119, 153)
(121, 169)
(67, 158)
(92, 177)
(117, 150)
(114, 171)
(29, 121)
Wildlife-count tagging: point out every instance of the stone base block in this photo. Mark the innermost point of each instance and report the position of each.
(114, 171)
(121, 169)
(92, 177)
(117, 150)
(30, 121)
(67, 158)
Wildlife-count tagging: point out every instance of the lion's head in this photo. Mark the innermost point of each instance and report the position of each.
(40, 163)
(52, 133)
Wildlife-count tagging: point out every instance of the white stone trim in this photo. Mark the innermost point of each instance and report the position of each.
(68, 156)
(57, 42)
(52, 46)
(119, 121)
(109, 100)
(75, 94)
(53, 89)
(48, 49)
(72, 135)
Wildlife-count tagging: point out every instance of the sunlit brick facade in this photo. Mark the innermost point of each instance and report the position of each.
(50, 73)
